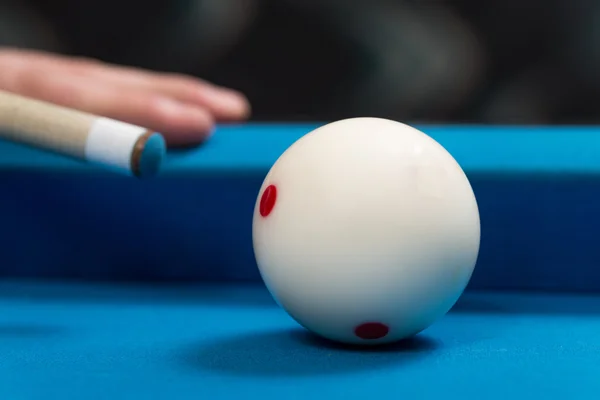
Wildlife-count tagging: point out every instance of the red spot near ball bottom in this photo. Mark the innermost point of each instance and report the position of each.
(267, 201)
(371, 331)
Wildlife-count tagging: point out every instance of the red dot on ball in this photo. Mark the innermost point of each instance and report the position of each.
(371, 330)
(267, 200)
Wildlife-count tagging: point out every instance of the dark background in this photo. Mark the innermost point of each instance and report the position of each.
(492, 61)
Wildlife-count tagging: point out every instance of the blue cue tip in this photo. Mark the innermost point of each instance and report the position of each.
(148, 155)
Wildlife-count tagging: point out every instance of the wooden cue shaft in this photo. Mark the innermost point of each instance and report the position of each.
(71, 132)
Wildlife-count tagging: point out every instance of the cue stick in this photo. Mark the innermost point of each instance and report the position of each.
(113, 144)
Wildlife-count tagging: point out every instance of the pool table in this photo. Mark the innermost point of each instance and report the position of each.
(117, 288)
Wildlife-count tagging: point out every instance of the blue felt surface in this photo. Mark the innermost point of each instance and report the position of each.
(537, 190)
(495, 149)
(226, 342)
(479, 149)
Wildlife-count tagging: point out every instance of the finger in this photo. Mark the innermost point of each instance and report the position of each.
(224, 104)
(180, 123)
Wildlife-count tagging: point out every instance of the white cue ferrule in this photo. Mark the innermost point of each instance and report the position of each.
(112, 143)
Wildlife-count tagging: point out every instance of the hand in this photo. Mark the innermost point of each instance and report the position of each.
(182, 108)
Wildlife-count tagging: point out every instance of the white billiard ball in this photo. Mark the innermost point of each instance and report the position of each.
(366, 230)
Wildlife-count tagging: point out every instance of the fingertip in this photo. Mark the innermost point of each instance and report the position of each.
(199, 119)
(235, 105)
(224, 103)
(182, 124)
(188, 138)
(183, 115)
(176, 140)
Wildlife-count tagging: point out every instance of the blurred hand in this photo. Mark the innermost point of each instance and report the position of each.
(182, 108)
